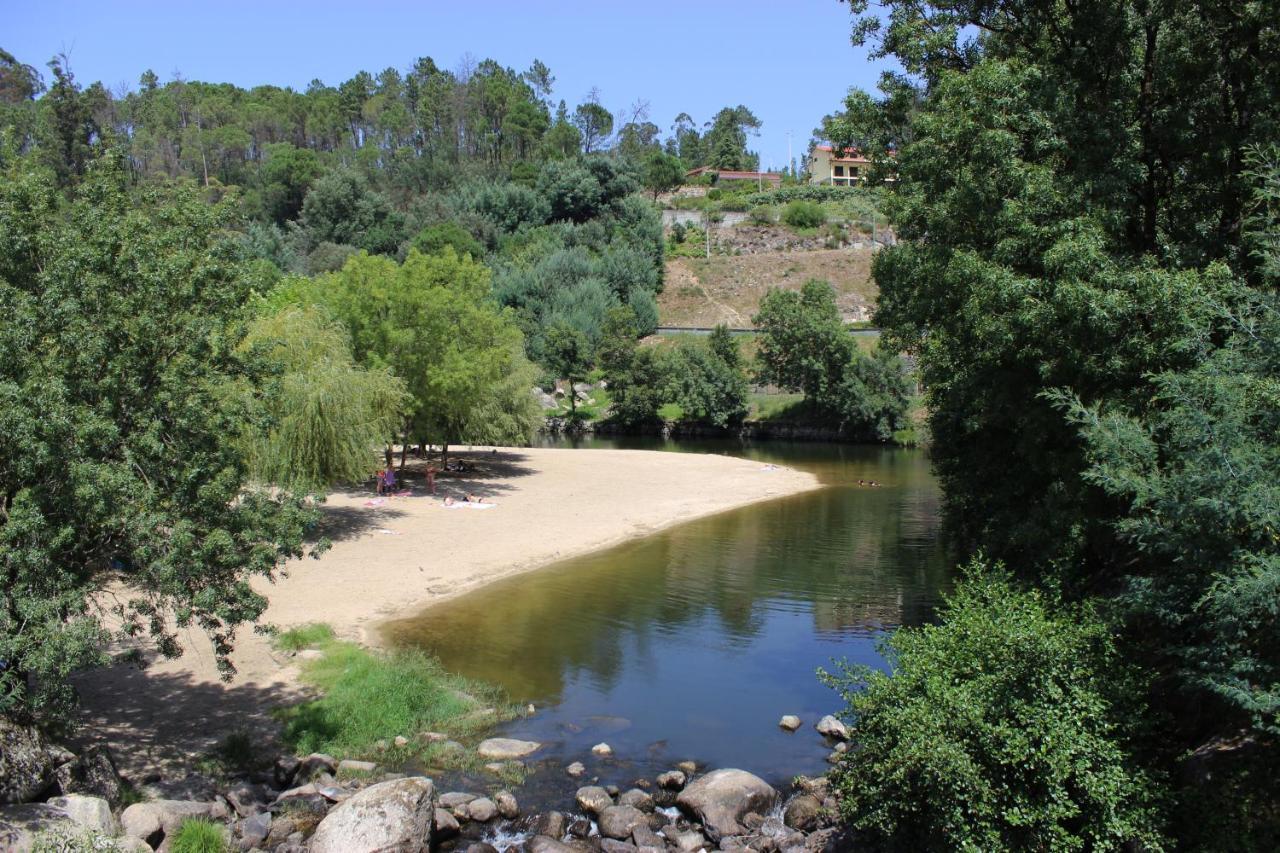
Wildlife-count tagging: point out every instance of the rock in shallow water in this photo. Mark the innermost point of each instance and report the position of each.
(576, 769)
(831, 727)
(790, 722)
(504, 748)
(602, 749)
(720, 799)
(593, 799)
(672, 780)
(482, 810)
(637, 799)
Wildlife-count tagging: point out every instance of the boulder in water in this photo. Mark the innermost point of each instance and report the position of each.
(720, 800)
(505, 749)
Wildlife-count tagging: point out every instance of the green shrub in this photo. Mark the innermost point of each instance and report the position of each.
(762, 215)
(200, 836)
(804, 214)
(1003, 727)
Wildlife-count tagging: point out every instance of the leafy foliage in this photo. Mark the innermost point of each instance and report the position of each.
(429, 322)
(1005, 727)
(120, 410)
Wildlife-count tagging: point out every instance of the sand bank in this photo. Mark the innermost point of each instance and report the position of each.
(391, 557)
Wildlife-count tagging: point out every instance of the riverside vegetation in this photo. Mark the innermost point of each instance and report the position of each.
(1087, 201)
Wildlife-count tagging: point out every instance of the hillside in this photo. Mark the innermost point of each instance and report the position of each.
(728, 288)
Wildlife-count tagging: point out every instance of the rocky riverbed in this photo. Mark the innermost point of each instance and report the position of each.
(319, 804)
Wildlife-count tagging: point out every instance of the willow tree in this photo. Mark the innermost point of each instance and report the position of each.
(325, 414)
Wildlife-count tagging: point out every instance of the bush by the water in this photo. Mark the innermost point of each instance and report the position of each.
(804, 214)
(1002, 728)
(369, 696)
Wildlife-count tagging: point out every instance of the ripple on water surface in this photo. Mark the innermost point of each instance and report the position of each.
(692, 642)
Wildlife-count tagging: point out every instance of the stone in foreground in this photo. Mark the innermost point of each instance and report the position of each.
(722, 798)
(395, 815)
(790, 722)
(505, 748)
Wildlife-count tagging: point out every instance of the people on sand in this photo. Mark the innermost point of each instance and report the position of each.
(389, 480)
(379, 480)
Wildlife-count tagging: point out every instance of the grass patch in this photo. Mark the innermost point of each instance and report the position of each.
(311, 636)
(370, 696)
(200, 836)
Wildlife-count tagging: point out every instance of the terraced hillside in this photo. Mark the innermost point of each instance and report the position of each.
(728, 288)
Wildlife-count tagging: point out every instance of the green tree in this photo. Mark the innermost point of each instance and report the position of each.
(430, 322)
(341, 208)
(1006, 727)
(594, 123)
(286, 177)
(806, 347)
(120, 412)
(726, 139)
(662, 173)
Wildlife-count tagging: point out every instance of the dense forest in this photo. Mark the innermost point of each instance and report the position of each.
(1086, 198)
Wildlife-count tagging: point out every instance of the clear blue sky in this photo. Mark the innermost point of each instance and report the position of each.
(790, 62)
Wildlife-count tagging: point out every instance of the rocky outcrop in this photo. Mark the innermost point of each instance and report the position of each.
(395, 815)
(720, 799)
(29, 763)
(92, 772)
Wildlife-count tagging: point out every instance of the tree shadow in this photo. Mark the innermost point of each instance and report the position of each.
(162, 722)
(339, 523)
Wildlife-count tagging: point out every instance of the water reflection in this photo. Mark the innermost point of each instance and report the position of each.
(703, 635)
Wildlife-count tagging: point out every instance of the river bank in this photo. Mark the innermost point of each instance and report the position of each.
(393, 556)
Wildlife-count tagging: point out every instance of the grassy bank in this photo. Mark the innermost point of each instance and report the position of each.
(367, 698)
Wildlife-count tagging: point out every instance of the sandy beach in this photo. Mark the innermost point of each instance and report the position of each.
(393, 556)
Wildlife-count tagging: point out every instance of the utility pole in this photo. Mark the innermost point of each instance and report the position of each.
(789, 158)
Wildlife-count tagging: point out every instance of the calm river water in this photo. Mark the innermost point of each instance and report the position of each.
(692, 642)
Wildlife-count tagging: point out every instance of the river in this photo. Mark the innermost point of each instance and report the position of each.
(690, 643)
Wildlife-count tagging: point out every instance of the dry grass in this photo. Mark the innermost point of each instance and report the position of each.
(728, 288)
